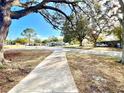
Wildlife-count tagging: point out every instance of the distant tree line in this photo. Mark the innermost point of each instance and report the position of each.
(30, 38)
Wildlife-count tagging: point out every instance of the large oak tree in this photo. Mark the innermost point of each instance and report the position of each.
(79, 30)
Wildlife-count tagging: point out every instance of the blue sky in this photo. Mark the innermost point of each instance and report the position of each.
(35, 21)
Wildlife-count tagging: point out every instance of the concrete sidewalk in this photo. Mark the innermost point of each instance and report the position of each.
(51, 76)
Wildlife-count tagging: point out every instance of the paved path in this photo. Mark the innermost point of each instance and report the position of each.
(98, 52)
(117, 54)
(82, 51)
(51, 76)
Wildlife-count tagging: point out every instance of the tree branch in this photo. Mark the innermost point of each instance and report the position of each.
(122, 5)
(28, 10)
(49, 21)
(56, 9)
(63, 1)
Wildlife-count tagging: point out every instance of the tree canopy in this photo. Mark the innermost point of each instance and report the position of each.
(29, 33)
(21, 40)
(79, 29)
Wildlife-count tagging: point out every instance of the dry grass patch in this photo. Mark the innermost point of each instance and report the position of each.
(22, 62)
(96, 74)
(95, 48)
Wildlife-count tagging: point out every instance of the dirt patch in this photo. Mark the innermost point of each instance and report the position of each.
(22, 62)
(96, 74)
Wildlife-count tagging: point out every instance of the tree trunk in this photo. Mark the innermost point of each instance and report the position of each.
(1, 55)
(80, 42)
(29, 40)
(94, 43)
(5, 22)
(122, 60)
